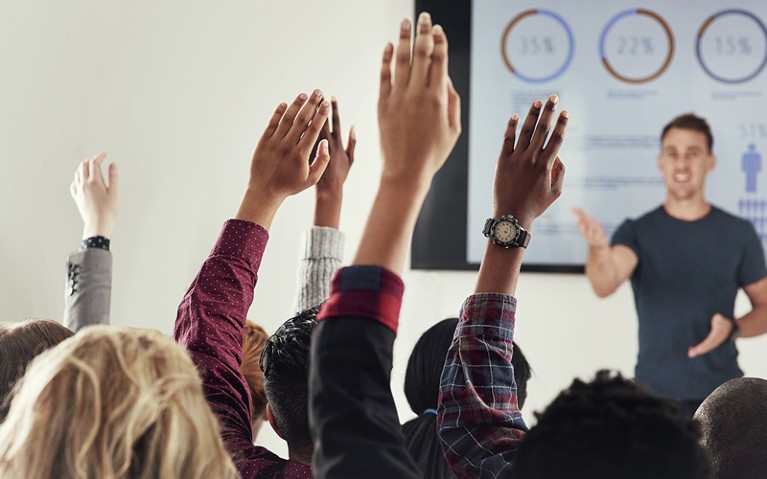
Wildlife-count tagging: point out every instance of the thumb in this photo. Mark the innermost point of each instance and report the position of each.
(317, 168)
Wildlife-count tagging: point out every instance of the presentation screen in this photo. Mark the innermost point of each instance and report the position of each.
(623, 70)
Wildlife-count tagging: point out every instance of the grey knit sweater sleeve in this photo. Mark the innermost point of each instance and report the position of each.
(88, 292)
(321, 255)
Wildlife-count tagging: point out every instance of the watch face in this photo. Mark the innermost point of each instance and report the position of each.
(505, 231)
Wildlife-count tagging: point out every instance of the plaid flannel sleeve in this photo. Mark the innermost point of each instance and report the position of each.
(479, 422)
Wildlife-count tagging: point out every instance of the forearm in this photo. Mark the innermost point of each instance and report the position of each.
(386, 238)
(321, 256)
(499, 270)
(753, 323)
(327, 209)
(258, 207)
(89, 288)
(601, 271)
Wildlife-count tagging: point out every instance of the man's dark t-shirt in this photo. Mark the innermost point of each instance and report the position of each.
(687, 272)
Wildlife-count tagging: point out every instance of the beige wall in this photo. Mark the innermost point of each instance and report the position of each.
(178, 93)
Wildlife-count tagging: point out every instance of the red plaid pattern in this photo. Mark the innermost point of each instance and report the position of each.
(479, 422)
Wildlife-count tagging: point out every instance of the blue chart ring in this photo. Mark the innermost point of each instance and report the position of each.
(611, 24)
(570, 45)
(704, 27)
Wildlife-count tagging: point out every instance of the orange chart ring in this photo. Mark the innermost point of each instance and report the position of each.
(666, 62)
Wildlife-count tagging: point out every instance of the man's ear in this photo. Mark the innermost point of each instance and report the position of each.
(272, 422)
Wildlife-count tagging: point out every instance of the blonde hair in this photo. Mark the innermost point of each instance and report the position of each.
(112, 403)
(253, 342)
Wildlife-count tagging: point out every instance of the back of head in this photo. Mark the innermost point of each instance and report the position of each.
(285, 366)
(689, 121)
(19, 344)
(422, 378)
(112, 403)
(734, 424)
(611, 428)
(253, 342)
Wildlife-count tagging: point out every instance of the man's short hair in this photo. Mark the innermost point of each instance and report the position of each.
(733, 419)
(285, 363)
(689, 121)
(611, 428)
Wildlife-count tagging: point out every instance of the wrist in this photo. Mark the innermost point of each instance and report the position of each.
(327, 210)
(91, 230)
(259, 207)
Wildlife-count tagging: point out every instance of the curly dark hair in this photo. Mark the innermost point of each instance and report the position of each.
(611, 428)
(285, 364)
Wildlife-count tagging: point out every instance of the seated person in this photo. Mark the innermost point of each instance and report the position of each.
(424, 369)
(89, 279)
(112, 402)
(211, 317)
(734, 423)
(611, 427)
(588, 431)
(353, 417)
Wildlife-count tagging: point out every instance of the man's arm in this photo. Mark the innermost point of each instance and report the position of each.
(754, 323)
(606, 267)
(353, 417)
(211, 317)
(478, 419)
(87, 297)
(322, 245)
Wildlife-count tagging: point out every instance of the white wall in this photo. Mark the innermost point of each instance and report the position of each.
(178, 93)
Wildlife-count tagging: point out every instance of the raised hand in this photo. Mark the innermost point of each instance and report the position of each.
(419, 112)
(280, 166)
(529, 174)
(96, 200)
(330, 186)
(721, 327)
(591, 230)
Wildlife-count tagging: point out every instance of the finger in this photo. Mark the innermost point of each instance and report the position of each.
(78, 179)
(424, 47)
(95, 168)
(713, 340)
(73, 188)
(438, 69)
(336, 117)
(528, 127)
(317, 168)
(557, 177)
(274, 121)
(313, 130)
(557, 137)
(582, 216)
(453, 106)
(325, 131)
(544, 124)
(402, 72)
(510, 136)
(351, 144)
(114, 179)
(84, 171)
(290, 114)
(386, 71)
(305, 116)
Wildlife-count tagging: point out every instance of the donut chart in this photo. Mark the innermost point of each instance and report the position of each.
(512, 28)
(605, 57)
(707, 57)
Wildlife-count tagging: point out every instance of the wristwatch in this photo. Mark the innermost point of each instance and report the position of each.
(505, 231)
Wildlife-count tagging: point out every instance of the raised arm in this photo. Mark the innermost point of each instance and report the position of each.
(322, 245)
(211, 316)
(478, 418)
(352, 412)
(606, 267)
(87, 297)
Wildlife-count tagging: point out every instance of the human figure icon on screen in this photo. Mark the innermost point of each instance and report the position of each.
(751, 165)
